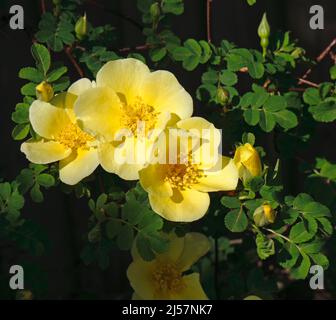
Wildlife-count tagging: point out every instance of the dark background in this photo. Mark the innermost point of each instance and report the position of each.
(65, 218)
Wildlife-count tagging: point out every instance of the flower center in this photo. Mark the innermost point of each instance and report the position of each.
(183, 175)
(73, 137)
(167, 277)
(138, 116)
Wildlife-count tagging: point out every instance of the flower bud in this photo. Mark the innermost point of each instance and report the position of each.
(44, 91)
(247, 161)
(223, 96)
(24, 295)
(81, 27)
(264, 215)
(155, 11)
(264, 32)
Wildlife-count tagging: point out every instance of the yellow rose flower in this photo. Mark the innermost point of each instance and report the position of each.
(247, 161)
(129, 97)
(61, 138)
(163, 278)
(179, 191)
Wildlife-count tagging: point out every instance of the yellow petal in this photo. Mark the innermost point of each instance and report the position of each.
(193, 289)
(196, 245)
(152, 179)
(184, 206)
(43, 152)
(206, 141)
(98, 111)
(80, 86)
(162, 90)
(224, 178)
(139, 274)
(114, 159)
(78, 166)
(135, 296)
(66, 101)
(124, 76)
(47, 120)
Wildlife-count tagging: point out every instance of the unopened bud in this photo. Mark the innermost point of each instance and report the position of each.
(247, 161)
(155, 11)
(223, 96)
(44, 91)
(264, 32)
(81, 27)
(264, 215)
(24, 295)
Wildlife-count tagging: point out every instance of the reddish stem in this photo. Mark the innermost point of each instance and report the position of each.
(68, 51)
(209, 20)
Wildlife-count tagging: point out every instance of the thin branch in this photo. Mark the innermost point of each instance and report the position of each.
(43, 7)
(209, 2)
(309, 83)
(68, 51)
(138, 48)
(321, 56)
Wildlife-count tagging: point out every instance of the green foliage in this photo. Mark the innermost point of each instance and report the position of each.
(35, 75)
(132, 223)
(121, 217)
(97, 57)
(56, 32)
(267, 110)
(192, 53)
(322, 102)
(32, 179)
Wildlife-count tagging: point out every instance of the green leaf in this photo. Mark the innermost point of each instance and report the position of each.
(265, 246)
(41, 56)
(31, 74)
(45, 180)
(158, 54)
(29, 89)
(302, 270)
(36, 193)
(20, 131)
(101, 201)
(302, 232)
(125, 238)
(251, 2)
(252, 116)
(286, 119)
(113, 228)
(143, 246)
(230, 202)
(21, 113)
(324, 112)
(275, 103)
(56, 74)
(236, 220)
(312, 96)
(288, 256)
(228, 78)
(320, 259)
(133, 211)
(267, 121)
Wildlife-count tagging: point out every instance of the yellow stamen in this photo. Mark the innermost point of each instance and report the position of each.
(73, 137)
(167, 277)
(138, 112)
(183, 175)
